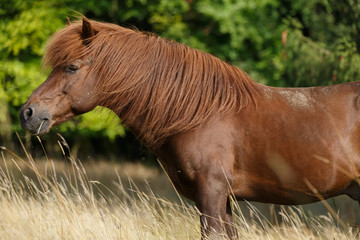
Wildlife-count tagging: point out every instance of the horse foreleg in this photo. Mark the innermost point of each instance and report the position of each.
(216, 215)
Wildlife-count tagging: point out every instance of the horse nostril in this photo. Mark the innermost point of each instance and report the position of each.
(28, 113)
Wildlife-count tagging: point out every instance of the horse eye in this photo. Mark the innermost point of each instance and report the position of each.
(72, 68)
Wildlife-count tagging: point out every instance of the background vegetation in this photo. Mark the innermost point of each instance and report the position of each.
(278, 42)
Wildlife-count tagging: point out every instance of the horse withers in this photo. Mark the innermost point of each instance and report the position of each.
(216, 131)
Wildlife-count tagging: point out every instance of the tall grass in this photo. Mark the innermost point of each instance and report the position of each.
(44, 204)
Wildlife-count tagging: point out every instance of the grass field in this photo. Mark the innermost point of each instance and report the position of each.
(46, 199)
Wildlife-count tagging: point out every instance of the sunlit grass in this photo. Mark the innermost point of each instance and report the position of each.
(57, 200)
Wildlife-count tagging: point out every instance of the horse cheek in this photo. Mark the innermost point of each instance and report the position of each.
(83, 104)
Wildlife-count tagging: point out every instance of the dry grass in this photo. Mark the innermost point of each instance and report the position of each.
(52, 200)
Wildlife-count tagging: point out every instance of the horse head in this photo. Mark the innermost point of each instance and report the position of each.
(66, 93)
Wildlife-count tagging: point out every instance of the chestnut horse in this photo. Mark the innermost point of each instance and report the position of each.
(217, 132)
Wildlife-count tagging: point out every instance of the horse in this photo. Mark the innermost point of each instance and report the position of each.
(217, 132)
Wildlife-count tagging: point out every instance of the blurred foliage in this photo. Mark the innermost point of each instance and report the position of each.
(324, 43)
(278, 42)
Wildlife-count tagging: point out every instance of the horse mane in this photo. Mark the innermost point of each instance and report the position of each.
(157, 87)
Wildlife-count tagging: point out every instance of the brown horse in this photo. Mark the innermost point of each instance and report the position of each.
(216, 131)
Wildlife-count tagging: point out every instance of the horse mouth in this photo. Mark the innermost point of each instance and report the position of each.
(40, 128)
(43, 128)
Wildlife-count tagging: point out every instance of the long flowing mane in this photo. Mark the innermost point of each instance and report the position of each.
(156, 86)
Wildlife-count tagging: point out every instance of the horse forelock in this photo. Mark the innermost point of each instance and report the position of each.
(157, 87)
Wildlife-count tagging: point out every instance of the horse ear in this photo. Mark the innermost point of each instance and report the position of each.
(68, 21)
(87, 31)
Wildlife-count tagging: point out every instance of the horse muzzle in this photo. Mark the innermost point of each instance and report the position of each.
(35, 120)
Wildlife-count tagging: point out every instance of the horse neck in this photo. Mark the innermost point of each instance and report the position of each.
(147, 98)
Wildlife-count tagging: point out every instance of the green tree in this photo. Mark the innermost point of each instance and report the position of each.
(323, 45)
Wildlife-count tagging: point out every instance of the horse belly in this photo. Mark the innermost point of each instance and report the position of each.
(267, 190)
(292, 176)
(279, 160)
